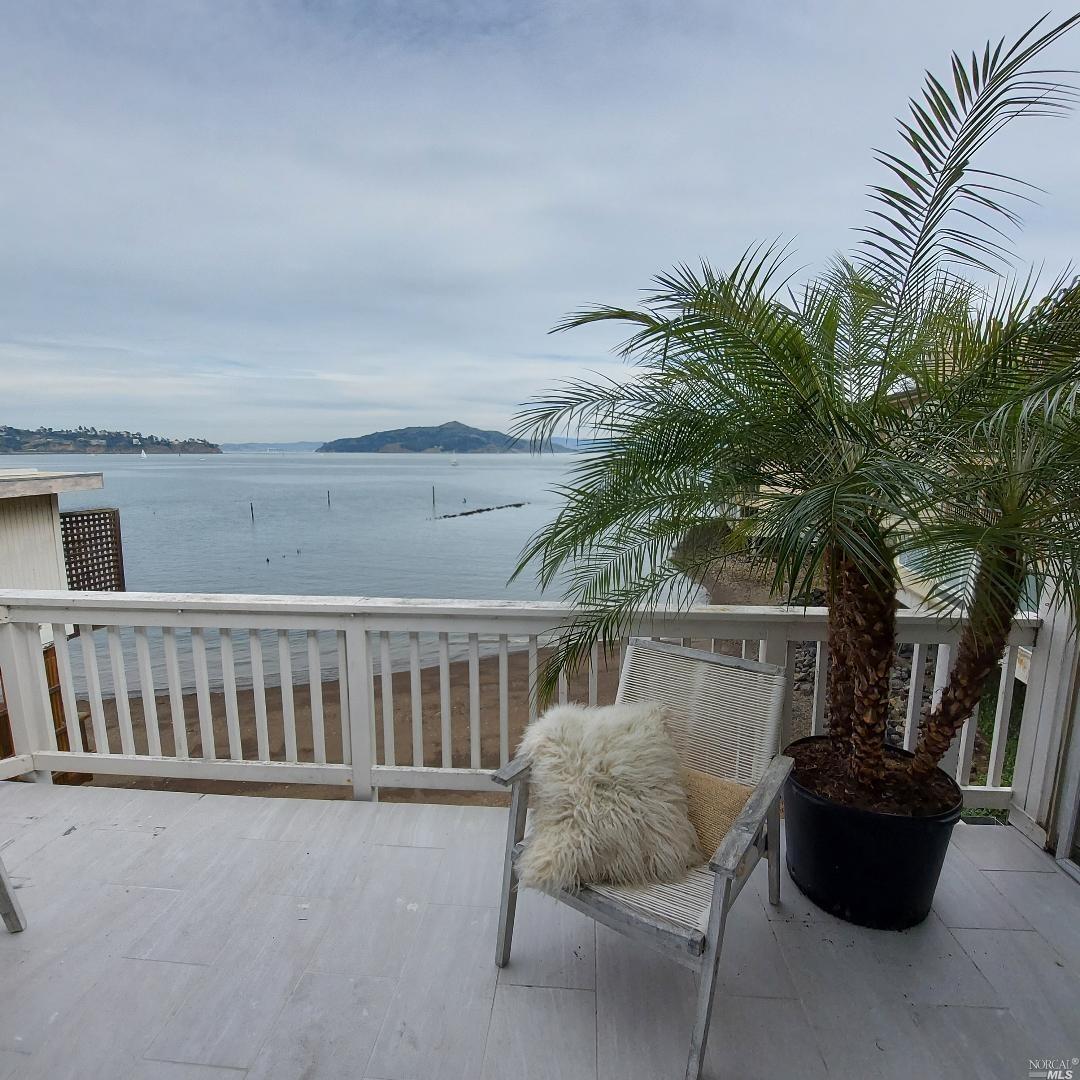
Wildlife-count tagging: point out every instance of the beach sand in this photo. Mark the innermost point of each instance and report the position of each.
(518, 712)
(735, 585)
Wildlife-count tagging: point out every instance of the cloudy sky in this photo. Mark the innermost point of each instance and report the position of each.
(290, 220)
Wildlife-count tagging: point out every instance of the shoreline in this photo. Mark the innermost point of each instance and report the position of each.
(732, 585)
(460, 707)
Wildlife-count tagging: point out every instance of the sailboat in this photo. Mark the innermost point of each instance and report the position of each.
(453, 463)
(142, 453)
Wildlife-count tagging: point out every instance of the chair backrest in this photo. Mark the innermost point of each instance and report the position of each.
(723, 712)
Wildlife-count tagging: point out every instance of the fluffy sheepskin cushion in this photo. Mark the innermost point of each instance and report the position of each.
(607, 800)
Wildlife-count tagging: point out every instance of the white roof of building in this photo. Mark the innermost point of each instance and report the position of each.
(20, 483)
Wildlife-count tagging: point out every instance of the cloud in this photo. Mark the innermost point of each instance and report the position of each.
(303, 220)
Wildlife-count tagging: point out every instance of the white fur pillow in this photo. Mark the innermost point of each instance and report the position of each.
(607, 800)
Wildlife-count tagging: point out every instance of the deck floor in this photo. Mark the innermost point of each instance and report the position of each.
(182, 937)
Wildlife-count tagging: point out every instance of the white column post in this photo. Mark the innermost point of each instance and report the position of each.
(775, 649)
(1052, 679)
(28, 711)
(360, 717)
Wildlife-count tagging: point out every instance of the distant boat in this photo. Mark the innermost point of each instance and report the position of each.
(453, 463)
(142, 453)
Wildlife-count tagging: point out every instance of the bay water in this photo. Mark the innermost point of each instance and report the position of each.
(187, 520)
(263, 523)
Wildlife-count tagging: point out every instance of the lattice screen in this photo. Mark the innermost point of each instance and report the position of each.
(93, 549)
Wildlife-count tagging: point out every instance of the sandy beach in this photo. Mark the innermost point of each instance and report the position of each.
(432, 750)
(734, 585)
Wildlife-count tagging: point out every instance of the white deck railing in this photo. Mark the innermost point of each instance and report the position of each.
(428, 694)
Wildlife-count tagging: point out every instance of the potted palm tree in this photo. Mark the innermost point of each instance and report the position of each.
(911, 399)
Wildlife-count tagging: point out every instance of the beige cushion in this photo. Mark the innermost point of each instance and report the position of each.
(712, 805)
(607, 800)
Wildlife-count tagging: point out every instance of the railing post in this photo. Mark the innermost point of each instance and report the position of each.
(1052, 676)
(942, 666)
(775, 649)
(25, 690)
(360, 718)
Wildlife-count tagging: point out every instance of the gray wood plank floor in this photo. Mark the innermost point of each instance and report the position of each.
(182, 937)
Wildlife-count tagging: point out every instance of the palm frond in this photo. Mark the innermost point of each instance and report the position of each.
(938, 207)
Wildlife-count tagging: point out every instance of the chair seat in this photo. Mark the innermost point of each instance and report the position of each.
(684, 904)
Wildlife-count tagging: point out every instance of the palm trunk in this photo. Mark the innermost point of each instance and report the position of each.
(866, 612)
(839, 686)
(997, 594)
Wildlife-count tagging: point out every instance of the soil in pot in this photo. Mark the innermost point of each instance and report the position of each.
(820, 768)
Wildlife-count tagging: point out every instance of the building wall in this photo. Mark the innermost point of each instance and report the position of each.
(31, 549)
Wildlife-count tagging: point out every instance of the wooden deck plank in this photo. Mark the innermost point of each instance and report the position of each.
(841, 991)
(961, 1041)
(996, 847)
(59, 958)
(1043, 995)
(935, 1001)
(966, 898)
(284, 819)
(339, 1018)
(554, 945)
(327, 864)
(1051, 906)
(155, 814)
(923, 966)
(143, 992)
(644, 1011)
(202, 922)
(234, 1004)
(48, 816)
(174, 1070)
(471, 872)
(11, 1063)
(80, 855)
(438, 1020)
(753, 1037)
(392, 891)
(752, 963)
(527, 1021)
(177, 859)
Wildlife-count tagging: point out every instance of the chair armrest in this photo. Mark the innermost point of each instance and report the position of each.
(745, 828)
(513, 771)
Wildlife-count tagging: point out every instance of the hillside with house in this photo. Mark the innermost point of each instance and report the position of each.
(91, 440)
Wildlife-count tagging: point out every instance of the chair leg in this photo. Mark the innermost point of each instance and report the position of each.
(707, 986)
(772, 852)
(519, 803)
(10, 909)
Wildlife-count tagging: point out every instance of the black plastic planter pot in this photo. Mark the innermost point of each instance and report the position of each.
(869, 868)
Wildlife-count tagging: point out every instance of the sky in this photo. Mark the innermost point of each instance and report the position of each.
(306, 220)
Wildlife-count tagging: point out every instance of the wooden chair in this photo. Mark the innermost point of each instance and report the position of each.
(724, 720)
(10, 910)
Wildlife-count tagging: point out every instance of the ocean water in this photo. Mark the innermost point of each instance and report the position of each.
(187, 527)
(187, 522)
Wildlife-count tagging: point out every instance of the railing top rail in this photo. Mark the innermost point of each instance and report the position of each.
(65, 606)
(244, 602)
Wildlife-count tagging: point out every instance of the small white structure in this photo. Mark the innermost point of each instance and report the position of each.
(31, 547)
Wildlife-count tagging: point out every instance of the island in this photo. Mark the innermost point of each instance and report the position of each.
(450, 438)
(91, 440)
(270, 447)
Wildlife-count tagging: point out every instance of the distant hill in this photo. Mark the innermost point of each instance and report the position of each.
(451, 438)
(90, 440)
(566, 442)
(260, 447)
